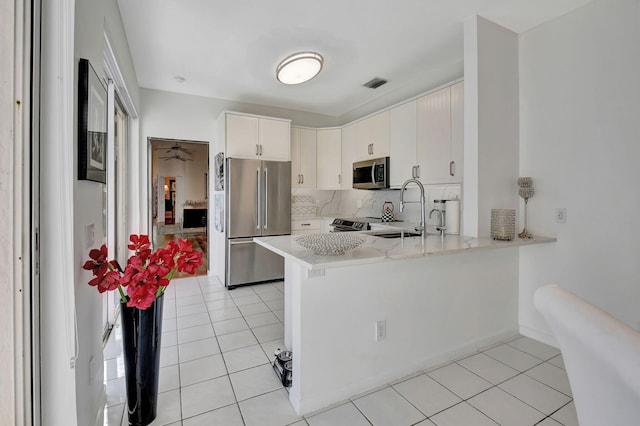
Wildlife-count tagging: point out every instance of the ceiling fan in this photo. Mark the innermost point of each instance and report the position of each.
(177, 149)
(175, 157)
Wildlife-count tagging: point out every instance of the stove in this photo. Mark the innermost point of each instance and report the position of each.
(356, 223)
(353, 224)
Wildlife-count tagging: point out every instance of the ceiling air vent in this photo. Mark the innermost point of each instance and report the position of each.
(375, 83)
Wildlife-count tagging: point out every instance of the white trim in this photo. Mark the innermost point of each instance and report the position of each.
(110, 187)
(112, 72)
(59, 346)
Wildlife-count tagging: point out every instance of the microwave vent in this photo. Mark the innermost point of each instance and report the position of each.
(375, 83)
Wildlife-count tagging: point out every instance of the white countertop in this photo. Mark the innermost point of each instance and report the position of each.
(377, 249)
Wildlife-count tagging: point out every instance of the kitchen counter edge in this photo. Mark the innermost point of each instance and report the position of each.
(376, 249)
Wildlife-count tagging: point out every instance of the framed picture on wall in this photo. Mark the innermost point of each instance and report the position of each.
(92, 125)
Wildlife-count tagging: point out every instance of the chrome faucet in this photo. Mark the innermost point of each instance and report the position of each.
(422, 228)
(441, 226)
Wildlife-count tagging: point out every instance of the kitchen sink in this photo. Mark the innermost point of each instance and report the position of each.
(394, 234)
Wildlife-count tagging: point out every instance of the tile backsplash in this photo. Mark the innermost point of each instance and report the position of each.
(362, 203)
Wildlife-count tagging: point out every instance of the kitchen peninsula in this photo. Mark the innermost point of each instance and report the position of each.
(390, 308)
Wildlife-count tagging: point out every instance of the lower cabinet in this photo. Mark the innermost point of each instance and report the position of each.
(306, 226)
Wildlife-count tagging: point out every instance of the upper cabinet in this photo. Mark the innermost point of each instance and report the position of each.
(457, 131)
(303, 157)
(348, 150)
(372, 137)
(328, 159)
(248, 136)
(363, 140)
(403, 143)
(440, 136)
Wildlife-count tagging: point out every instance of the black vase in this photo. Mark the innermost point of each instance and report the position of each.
(141, 332)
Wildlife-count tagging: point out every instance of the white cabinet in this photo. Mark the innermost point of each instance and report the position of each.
(363, 140)
(348, 155)
(372, 137)
(457, 131)
(440, 136)
(303, 157)
(328, 159)
(306, 226)
(248, 136)
(402, 131)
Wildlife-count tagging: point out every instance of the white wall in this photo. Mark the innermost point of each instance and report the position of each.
(491, 123)
(436, 308)
(71, 310)
(9, 219)
(580, 141)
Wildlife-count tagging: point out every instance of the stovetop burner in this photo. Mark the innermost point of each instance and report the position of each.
(353, 224)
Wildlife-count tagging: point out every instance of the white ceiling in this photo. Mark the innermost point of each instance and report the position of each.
(230, 49)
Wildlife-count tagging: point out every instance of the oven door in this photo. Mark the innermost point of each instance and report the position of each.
(371, 174)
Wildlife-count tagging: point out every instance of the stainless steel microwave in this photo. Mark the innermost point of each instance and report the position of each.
(371, 174)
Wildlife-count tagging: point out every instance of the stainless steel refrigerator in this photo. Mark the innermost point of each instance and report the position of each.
(258, 203)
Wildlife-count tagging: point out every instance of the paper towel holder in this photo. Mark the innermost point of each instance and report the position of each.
(453, 216)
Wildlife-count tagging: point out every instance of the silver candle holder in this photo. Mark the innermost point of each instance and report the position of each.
(526, 191)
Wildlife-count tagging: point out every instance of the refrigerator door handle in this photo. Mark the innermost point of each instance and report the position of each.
(266, 196)
(258, 199)
(234, 243)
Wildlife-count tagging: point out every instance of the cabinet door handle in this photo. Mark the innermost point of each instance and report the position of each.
(418, 171)
(371, 149)
(413, 172)
(452, 166)
(340, 179)
(302, 178)
(257, 149)
(261, 150)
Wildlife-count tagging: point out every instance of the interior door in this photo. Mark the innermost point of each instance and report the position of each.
(243, 199)
(276, 181)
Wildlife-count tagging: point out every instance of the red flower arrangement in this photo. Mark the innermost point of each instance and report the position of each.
(147, 273)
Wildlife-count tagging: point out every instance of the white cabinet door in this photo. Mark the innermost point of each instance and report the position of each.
(328, 159)
(303, 157)
(274, 137)
(402, 131)
(372, 140)
(434, 136)
(254, 137)
(457, 132)
(296, 153)
(241, 136)
(306, 226)
(348, 154)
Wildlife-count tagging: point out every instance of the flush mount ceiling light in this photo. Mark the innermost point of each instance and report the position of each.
(299, 67)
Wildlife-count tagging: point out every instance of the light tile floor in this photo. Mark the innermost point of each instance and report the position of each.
(215, 370)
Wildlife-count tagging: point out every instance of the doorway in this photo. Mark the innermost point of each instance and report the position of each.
(180, 202)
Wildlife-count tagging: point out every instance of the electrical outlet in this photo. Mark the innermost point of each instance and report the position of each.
(561, 215)
(381, 330)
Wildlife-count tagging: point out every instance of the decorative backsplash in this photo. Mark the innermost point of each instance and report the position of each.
(303, 205)
(359, 203)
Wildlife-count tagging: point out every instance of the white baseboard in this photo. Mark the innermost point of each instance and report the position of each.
(320, 402)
